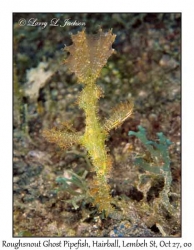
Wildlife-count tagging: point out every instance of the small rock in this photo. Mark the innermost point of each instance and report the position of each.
(82, 229)
(167, 62)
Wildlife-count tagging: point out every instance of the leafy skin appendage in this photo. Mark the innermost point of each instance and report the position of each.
(88, 55)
